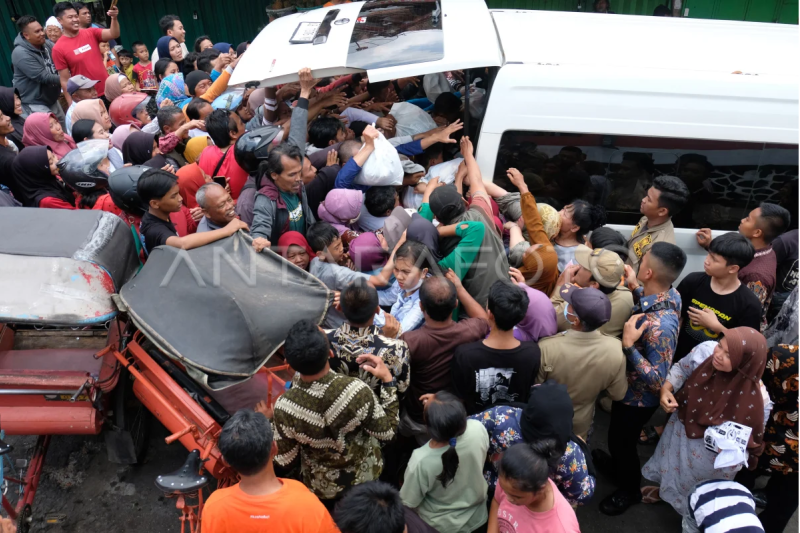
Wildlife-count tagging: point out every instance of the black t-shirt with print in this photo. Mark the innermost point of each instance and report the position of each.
(155, 232)
(737, 309)
(484, 377)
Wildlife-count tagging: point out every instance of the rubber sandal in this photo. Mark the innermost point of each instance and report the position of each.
(650, 494)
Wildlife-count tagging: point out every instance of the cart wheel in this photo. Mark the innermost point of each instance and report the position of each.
(131, 416)
(24, 519)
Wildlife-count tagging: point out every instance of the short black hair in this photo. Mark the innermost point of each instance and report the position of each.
(375, 89)
(347, 150)
(306, 348)
(438, 298)
(734, 247)
(167, 22)
(508, 303)
(447, 104)
(274, 162)
(587, 217)
(372, 507)
(218, 127)
(674, 193)
(189, 63)
(79, 6)
(380, 199)
(161, 67)
(324, 130)
(245, 442)
(199, 40)
(154, 184)
(358, 127)
(136, 44)
(431, 152)
(194, 107)
(23, 22)
(359, 301)
(610, 239)
(167, 115)
(416, 252)
(204, 63)
(60, 8)
(671, 258)
(320, 235)
(773, 221)
(125, 53)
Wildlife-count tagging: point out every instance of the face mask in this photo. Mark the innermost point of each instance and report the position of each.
(566, 315)
(415, 287)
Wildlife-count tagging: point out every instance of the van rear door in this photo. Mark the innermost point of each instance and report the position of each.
(386, 38)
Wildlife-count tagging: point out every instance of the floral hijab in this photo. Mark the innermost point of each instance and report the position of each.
(172, 87)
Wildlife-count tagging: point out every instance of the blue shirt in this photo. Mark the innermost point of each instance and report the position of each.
(571, 476)
(405, 309)
(347, 175)
(651, 356)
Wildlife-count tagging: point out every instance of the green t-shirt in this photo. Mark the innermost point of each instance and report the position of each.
(295, 208)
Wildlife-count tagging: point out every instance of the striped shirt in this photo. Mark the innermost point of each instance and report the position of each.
(722, 507)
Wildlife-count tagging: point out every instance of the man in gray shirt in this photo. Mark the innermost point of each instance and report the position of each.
(217, 206)
(35, 74)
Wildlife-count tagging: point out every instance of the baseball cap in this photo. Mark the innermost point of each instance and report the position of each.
(606, 266)
(395, 225)
(592, 306)
(409, 167)
(79, 82)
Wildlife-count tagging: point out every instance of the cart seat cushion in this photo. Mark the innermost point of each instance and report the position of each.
(52, 360)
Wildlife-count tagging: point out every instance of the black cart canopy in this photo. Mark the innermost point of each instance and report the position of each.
(60, 266)
(221, 309)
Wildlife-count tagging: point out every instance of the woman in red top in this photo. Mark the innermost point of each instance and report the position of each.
(35, 172)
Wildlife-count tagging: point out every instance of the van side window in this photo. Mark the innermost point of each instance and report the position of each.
(727, 179)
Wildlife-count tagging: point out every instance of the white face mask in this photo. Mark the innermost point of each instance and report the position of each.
(415, 287)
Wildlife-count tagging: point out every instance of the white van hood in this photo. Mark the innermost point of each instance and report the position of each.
(393, 39)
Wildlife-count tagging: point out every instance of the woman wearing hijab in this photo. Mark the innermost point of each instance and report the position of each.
(117, 85)
(35, 174)
(43, 129)
(139, 148)
(225, 48)
(547, 415)
(11, 106)
(294, 248)
(121, 134)
(190, 179)
(93, 110)
(242, 48)
(88, 129)
(717, 382)
(169, 47)
(341, 208)
(194, 148)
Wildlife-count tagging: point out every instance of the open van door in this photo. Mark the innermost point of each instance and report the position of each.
(386, 38)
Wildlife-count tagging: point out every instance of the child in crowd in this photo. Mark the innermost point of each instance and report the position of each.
(144, 68)
(126, 67)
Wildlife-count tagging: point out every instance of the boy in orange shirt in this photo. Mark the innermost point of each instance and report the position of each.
(261, 501)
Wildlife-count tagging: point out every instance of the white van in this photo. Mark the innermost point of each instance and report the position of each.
(713, 102)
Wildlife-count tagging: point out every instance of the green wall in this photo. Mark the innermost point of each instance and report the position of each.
(231, 22)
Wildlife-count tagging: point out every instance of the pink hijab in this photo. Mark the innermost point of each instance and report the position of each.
(341, 208)
(120, 134)
(113, 87)
(37, 133)
(540, 319)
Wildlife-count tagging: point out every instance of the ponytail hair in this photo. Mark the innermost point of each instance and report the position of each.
(587, 216)
(528, 465)
(446, 419)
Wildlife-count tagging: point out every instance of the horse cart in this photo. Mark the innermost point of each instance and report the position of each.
(91, 341)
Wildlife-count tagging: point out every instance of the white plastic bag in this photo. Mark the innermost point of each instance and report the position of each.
(383, 167)
(447, 174)
(411, 119)
(477, 102)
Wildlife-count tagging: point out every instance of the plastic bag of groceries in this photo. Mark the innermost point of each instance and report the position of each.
(383, 167)
(411, 119)
(447, 174)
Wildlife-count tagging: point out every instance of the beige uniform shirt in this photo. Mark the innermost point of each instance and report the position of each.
(587, 363)
(643, 237)
(621, 306)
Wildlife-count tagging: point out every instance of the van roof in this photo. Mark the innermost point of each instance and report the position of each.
(623, 41)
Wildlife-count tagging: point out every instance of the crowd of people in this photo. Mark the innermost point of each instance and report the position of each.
(452, 385)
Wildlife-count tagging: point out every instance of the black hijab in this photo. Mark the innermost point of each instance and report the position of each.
(33, 178)
(138, 148)
(548, 414)
(7, 107)
(423, 230)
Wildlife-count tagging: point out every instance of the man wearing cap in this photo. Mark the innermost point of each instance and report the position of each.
(79, 88)
(585, 360)
(35, 75)
(603, 270)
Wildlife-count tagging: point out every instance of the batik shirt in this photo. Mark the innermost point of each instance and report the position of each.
(780, 437)
(651, 356)
(571, 476)
(350, 343)
(334, 425)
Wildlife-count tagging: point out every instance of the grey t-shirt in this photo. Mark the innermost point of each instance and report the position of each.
(336, 278)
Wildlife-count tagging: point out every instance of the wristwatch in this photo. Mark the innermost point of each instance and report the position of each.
(388, 384)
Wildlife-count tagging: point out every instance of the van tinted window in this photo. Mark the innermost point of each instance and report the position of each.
(726, 179)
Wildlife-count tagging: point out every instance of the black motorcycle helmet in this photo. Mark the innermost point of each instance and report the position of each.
(122, 188)
(79, 168)
(254, 147)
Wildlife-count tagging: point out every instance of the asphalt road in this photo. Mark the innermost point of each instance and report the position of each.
(81, 491)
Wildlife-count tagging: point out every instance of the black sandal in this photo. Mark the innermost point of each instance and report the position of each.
(651, 435)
